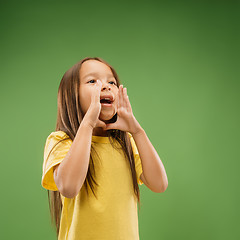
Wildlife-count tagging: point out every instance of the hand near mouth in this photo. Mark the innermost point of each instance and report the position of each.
(125, 118)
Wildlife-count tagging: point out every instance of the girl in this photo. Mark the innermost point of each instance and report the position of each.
(96, 157)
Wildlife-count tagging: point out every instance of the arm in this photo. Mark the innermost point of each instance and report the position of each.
(70, 174)
(154, 175)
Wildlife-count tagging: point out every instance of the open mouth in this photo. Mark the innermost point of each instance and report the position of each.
(106, 102)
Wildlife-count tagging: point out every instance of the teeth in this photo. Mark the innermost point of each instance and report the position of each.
(109, 99)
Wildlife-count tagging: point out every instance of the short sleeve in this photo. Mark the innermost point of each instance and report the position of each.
(56, 147)
(138, 163)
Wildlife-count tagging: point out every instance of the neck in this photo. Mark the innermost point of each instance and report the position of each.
(98, 131)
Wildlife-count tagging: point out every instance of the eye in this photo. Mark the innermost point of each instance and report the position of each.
(91, 80)
(113, 82)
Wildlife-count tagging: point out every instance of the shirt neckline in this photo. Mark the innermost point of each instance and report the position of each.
(100, 139)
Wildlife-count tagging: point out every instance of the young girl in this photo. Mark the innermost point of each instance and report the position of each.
(96, 157)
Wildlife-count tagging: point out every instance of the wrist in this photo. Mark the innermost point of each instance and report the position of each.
(87, 124)
(137, 128)
(138, 131)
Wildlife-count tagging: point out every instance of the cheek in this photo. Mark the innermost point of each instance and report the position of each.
(85, 93)
(85, 99)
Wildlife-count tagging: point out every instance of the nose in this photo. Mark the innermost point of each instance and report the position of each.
(106, 86)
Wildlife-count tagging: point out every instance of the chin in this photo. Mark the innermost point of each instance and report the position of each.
(108, 119)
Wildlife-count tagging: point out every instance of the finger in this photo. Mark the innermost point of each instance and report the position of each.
(125, 97)
(118, 99)
(98, 88)
(128, 105)
(96, 94)
(121, 96)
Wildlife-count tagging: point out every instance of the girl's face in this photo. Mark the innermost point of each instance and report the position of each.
(90, 72)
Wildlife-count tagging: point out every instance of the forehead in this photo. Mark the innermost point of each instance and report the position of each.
(94, 67)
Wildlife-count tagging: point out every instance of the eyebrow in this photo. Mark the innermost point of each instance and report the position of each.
(95, 73)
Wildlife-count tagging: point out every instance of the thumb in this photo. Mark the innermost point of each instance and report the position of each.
(111, 126)
(101, 124)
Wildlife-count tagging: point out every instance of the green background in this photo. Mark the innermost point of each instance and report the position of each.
(180, 63)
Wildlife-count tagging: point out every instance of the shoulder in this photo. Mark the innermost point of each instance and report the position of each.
(129, 134)
(56, 142)
(132, 141)
(131, 138)
(56, 137)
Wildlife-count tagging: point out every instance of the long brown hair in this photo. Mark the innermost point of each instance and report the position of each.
(69, 118)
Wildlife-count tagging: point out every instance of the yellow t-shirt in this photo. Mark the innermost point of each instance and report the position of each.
(114, 215)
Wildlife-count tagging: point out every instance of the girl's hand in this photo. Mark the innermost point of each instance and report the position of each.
(125, 118)
(92, 114)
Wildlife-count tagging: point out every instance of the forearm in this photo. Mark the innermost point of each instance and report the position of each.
(153, 169)
(73, 169)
